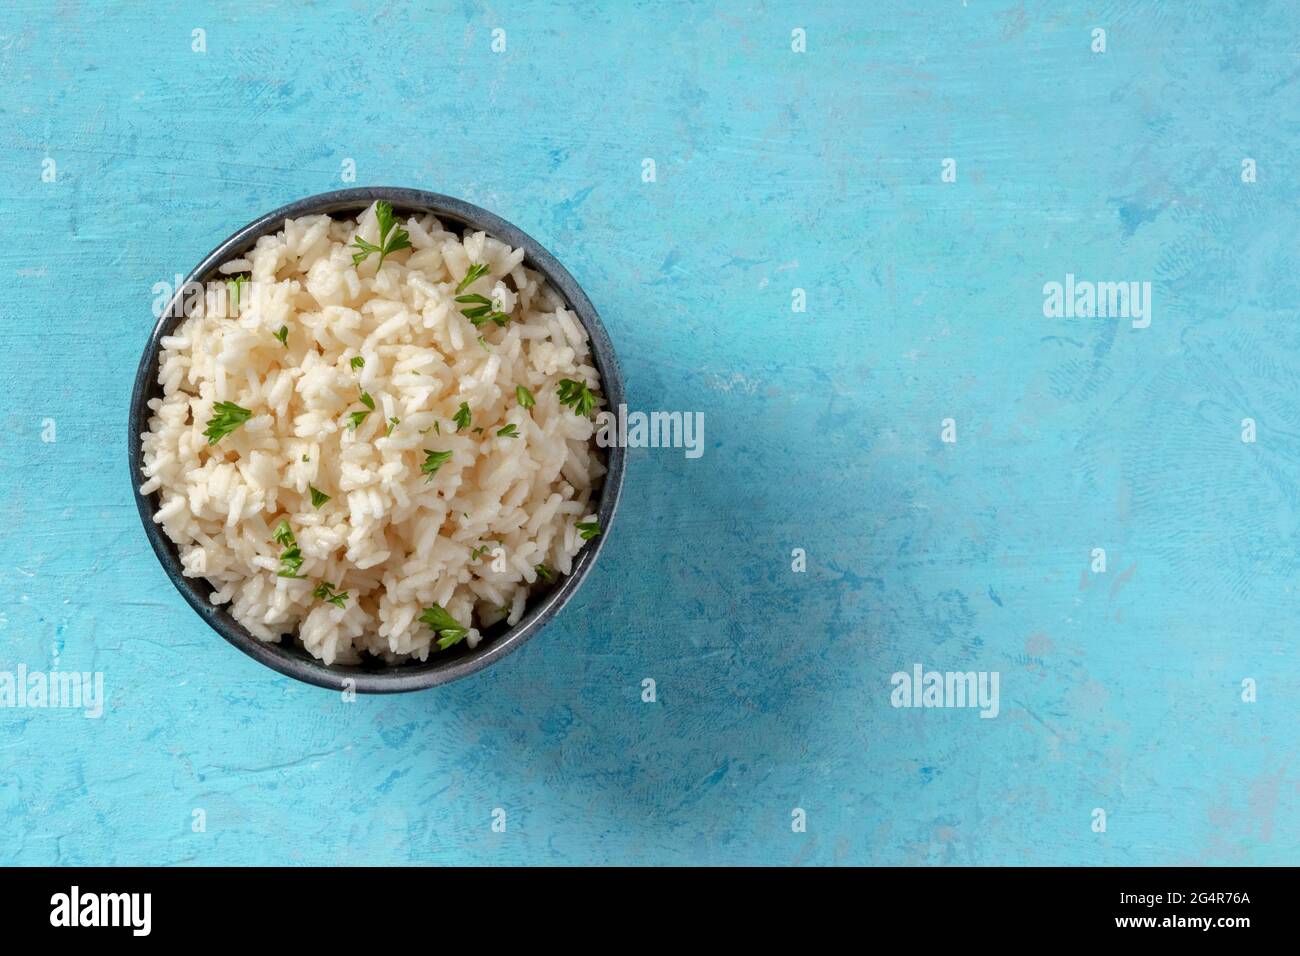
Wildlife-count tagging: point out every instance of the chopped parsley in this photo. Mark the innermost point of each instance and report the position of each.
(392, 423)
(482, 309)
(448, 629)
(462, 417)
(577, 395)
(331, 595)
(291, 557)
(282, 336)
(358, 417)
(510, 431)
(545, 573)
(390, 240)
(434, 461)
(588, 529)
(228, 417)
(318, 497)
(475, 273)
(478, 552)
(524, 397)
(236, 286)
(358, 362)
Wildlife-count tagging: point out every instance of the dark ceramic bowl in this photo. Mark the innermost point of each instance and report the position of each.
(375, 676)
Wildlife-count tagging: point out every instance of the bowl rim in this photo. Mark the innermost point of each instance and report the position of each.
(289, 658)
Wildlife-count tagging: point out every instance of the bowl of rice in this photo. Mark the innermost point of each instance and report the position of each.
(369, 438)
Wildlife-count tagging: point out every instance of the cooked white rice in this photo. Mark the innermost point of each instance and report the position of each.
(470, 539)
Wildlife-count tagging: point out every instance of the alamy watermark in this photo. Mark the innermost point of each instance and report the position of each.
(651, 430)
(1103, 300)
(75, 908)
(74, 690)
(922, 688)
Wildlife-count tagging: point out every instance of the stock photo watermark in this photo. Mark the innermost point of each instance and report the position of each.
(658, 429)
(947, 689)
(1083, 299)
(63, 690)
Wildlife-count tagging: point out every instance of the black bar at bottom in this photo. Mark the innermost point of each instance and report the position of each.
(339, 906)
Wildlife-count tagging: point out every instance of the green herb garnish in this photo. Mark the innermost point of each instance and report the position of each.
(482, 310)
(291, 557)
(545, 573)
(358, 362)
(236, 285)
(282, 336)
(478, 552)
(475, 273)
(447, 628)
(510, 431)
(462, 417)
(577, 395)
(390, 240)
(392, 423)
(290, 561)
(228, 417)
(524, 397)
(328, 593)
(318, 497)
(434, 461)
(359, 417)
(588, 529)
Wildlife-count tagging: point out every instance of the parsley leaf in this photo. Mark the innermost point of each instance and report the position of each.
(462, 417)
(545, 573)
(588, 529)
(228, 417)
(327, 592)
(236, 286)
(392, 423)
(483, 310)
(434, 461)
(291, 558)
(358, 418)
(475, 273)
(282, 336)
(577, 395)
(510, 431)
(390, 240)
(290, 561)
(318, 497)
(358, 362)
(283, 534)
(448, 629)
(524, 397)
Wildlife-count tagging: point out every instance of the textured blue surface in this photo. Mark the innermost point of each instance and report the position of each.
(776, 170)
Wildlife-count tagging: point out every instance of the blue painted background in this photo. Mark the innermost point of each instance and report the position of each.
(776, 170)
